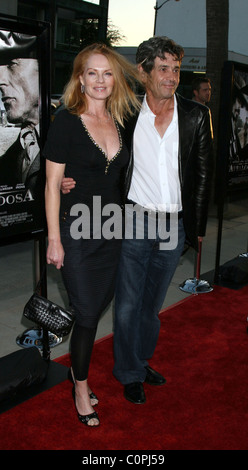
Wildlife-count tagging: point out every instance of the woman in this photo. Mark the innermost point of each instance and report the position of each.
(84, 143)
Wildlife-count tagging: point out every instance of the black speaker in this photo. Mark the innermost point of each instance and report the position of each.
(235, 271)
(20, 370)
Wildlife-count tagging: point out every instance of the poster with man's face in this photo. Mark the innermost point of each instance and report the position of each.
(21, 188)
(238, 156)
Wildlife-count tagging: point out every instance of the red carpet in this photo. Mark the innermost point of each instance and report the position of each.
(202, 351)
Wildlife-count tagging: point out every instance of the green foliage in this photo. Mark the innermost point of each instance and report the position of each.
(90, 34)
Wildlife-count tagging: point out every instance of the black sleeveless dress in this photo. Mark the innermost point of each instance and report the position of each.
(90, 215)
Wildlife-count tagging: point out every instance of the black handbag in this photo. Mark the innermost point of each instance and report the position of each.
(48, 315)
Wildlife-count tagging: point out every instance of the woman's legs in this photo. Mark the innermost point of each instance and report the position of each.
(89, 275)
(82, 341)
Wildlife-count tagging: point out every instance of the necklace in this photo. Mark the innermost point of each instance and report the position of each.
(104, 119)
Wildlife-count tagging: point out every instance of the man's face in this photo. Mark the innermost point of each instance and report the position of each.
(204, 93)
(19, 85)
(163, 80)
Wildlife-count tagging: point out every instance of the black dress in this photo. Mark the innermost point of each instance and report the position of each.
(91, 259)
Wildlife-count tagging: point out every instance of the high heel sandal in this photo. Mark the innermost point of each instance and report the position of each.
(91, 395)
(85, 418)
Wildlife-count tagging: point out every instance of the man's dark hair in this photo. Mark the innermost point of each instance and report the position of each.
(157, 47)
(198, 81)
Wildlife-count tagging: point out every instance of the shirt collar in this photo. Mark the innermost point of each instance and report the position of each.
(145, 109)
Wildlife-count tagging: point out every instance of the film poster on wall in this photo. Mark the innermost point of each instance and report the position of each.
(24, 119)
(238, 154)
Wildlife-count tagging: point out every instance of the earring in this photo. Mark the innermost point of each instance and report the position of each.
(82, 88)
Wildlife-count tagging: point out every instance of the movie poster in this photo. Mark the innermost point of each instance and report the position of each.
(238, 157)
(21, 171)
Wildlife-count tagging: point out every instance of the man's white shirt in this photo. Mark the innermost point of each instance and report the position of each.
(155, 180)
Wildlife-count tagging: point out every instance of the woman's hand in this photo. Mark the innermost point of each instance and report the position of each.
(55, 254)
(54, 176)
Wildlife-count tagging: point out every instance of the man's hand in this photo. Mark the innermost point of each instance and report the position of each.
(67, 184)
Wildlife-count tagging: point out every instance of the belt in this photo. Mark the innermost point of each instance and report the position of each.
(155, 213)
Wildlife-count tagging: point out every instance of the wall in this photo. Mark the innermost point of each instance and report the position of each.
(185, 22)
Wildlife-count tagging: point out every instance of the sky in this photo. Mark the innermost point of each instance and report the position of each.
(133, 18)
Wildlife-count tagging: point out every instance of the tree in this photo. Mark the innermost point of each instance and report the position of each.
(217, 52)
(89, 33)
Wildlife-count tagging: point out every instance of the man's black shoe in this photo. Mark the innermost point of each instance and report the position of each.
(134, 392)
(153, 377)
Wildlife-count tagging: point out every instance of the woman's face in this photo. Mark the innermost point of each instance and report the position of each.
(97, 78)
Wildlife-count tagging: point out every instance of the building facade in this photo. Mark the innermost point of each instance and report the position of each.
(71, 21)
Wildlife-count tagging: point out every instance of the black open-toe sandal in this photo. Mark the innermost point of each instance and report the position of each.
(92, 395)
(86, 418)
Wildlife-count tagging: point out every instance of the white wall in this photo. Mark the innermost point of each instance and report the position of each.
(8, 7)
(185, 22)
(238, 26)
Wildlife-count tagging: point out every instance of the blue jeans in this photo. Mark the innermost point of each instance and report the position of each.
(144, 275)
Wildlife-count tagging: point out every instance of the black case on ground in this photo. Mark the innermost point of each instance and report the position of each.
(235, 271)
(21, 369)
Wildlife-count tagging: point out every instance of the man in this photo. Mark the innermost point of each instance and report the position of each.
(171, 153)
(19, 87)
(171, 164)
(201, 88)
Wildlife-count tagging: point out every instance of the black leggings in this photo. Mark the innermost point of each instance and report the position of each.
(89, 273)
(82, 341)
